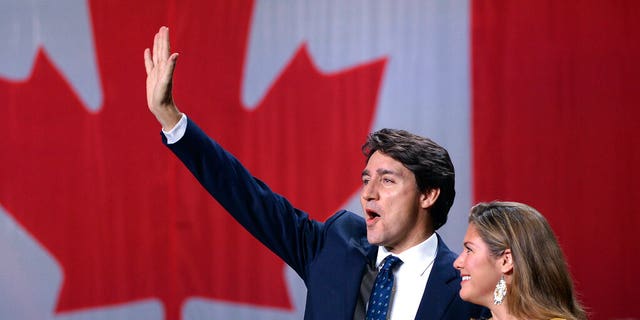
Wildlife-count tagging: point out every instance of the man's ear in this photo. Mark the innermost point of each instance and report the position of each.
(506, 262)
(429, 197)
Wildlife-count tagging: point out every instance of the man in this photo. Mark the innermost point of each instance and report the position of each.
(408, 188)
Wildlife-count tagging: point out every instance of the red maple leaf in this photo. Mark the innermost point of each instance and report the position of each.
(114, 207)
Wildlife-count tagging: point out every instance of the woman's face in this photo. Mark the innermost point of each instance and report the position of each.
(479, 270)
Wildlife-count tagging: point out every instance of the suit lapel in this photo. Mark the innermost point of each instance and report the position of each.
(441, 287)
(356, 265)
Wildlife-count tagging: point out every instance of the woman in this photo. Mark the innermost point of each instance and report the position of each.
(513, 265)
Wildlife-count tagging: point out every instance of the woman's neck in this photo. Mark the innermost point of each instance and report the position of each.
(500, 312)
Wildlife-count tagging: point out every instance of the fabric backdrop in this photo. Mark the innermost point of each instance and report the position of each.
(536, 102)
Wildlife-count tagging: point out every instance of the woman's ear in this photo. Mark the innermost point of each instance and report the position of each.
(506, 262)
(429, 197)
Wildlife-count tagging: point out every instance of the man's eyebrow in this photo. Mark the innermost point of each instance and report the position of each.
(380, 171)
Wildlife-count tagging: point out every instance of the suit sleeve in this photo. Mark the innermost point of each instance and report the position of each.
(269, 217)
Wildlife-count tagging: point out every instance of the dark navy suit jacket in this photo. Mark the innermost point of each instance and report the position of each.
(315, 250)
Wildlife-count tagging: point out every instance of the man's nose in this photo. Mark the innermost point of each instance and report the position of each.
(369, 191)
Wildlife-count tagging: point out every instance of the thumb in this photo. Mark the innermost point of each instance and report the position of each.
(171, 66)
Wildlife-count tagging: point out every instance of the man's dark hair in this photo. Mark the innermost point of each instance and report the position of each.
(429, 162)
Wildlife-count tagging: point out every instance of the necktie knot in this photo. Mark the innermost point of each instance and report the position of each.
(389, 263)
(382, 290)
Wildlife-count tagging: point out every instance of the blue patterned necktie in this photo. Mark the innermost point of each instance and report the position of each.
(382, 289)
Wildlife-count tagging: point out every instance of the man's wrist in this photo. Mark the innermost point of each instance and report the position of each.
(168, 118)
(177, 132)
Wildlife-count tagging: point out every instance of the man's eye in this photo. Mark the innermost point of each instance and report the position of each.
(365, 181)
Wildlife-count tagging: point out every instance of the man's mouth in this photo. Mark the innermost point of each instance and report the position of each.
(465, 278)
(371, 215)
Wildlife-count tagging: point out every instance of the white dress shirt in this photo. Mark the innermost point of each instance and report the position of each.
(177, 131)
(410, 278)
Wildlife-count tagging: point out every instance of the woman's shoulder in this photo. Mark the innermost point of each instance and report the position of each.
(490, 319)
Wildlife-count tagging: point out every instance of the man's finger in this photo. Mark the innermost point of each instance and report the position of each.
(148, 63)
(154, 54)
(171, 65)
(164, 44)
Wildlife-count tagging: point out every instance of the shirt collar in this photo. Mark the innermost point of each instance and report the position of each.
(416, 259)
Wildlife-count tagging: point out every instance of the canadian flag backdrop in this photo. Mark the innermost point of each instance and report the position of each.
(537, 102)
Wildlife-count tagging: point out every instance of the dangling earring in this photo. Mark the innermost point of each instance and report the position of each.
(500, 291)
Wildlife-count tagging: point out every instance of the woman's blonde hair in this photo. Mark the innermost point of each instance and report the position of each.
(541, 286)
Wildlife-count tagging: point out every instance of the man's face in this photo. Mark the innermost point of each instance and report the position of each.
(393, 207)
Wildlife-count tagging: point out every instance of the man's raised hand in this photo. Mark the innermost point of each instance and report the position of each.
(160, 64)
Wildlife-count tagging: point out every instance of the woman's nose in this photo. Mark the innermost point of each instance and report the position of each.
(458, 262)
